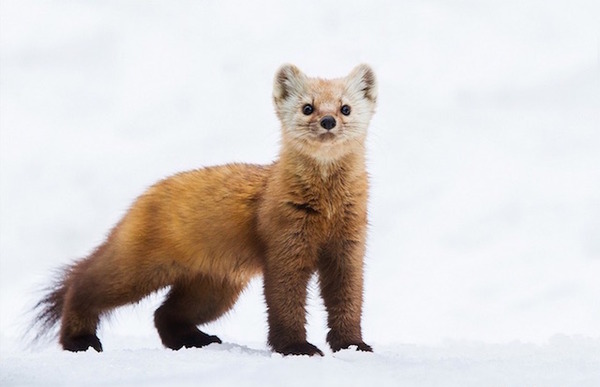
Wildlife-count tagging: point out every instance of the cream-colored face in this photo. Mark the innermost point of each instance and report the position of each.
(325, 119)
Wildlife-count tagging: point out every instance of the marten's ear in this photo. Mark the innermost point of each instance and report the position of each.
(362, 80)
(289, 80)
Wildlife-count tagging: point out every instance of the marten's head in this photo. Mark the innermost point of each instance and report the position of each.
(325, 118)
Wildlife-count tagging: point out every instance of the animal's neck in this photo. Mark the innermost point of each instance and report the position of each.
(303, 169)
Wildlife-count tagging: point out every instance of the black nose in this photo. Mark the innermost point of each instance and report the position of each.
(328, 122)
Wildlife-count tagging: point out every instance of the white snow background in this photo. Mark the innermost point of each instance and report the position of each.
(483, 262)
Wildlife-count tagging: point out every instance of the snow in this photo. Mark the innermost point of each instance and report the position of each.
(563, 361)
(483, 257)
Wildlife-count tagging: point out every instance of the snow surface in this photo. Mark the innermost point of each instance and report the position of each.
(483, 258)
(561, 362)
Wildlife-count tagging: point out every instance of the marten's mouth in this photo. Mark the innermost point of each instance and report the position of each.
(325, 137)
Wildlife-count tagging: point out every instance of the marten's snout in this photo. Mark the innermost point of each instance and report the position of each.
(328, 122)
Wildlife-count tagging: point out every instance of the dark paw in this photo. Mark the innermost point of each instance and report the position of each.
(300, 349)
(360, 346)
(200, 339)
(192, 339)
(81, 343)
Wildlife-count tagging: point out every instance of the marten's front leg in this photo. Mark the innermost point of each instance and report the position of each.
(285, 282)
(341, 282)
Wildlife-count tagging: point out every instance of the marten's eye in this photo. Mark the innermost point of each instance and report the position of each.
(345, 110)
(307, 109)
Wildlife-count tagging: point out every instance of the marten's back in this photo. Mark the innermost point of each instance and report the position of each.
(198, 221)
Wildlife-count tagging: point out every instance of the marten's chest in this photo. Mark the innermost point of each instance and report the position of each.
(329, 208)
(305, 205)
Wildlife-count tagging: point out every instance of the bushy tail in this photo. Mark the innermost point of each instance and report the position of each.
(48, 311)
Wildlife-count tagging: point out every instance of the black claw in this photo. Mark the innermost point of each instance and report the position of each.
(364, 347)
(301, 349)
(360, 346)
(189, 338)
(200, 339)
(82, 343)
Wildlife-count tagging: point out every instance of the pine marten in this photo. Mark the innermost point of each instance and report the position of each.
(205, 233)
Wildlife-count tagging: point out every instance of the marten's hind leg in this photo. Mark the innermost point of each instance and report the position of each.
(82, 307)
(191, 303)
(78, 331)
(97, 285)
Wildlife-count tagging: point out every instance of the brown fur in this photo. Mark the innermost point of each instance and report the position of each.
(206, 233)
